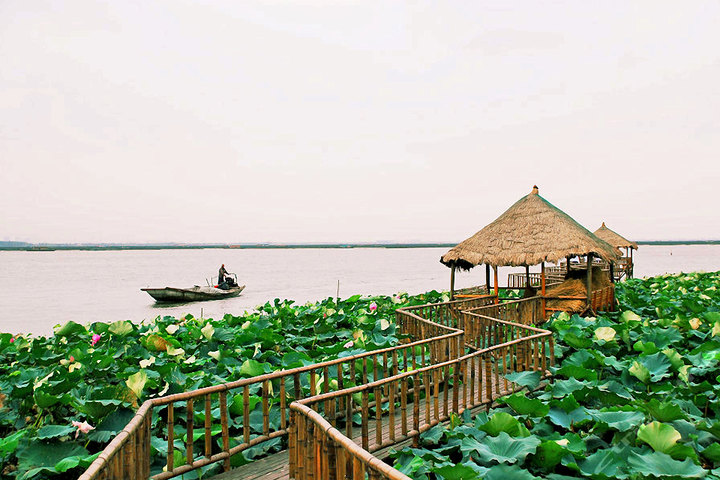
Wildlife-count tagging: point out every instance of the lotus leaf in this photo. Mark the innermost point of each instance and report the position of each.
(136, 382)
(54, 431)
(660, 436)
(660, 465)
(502, 422)
(526, 379)
(505, 449)
(526, 406)
(606, 463)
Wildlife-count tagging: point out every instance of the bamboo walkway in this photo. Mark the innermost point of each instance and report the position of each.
(276, 466)
(456, 357)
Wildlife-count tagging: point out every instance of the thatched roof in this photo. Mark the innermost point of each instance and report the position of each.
(528, 233)
(613, 238)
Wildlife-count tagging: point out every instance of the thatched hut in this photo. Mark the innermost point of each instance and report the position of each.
(620, 242)
(531, 232)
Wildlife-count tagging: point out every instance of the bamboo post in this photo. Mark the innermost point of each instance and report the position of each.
(416, 410)
(292, 438)
(266, 407)
(331, 459)
(340, 385)
(310, 446)
(495, 282)
(403, 406)
(567, 266)
(365, 415)
(456, 387)
(542, 287)
(140, 452)
(130, 455)
(208, 432)
(225, 429)
(190, 426)
(391, 411)
(487, 277)
(588, 280)
(358, 469)
(246, 414)
(446, 392)
(488, 377)
(300, 434)
(472, 380)
(171, 437)
(527, 277)
(283, 418)
(378, 416)
(452, 281)
(349, 416)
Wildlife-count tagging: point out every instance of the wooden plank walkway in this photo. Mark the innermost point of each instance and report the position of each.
(276, 466)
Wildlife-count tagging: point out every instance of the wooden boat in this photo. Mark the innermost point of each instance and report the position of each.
(193, 294)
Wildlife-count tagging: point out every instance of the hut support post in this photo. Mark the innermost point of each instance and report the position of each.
(631, 263)
(542, 287)
(495, 282)
(487, 277)
(567, 267)
(612, 272)
(452, 282)
(527, 277)
(588, 280)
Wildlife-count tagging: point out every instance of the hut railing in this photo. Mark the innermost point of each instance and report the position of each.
(519, 280)
(603, 299)
(192, 416)
(474, 291)
(403, 406)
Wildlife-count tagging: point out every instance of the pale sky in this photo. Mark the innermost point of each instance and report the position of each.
(353, 121)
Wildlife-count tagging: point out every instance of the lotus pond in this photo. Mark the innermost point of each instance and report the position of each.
(634, 396)
(62, 398)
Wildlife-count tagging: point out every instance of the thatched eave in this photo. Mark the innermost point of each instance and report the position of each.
(528, 233)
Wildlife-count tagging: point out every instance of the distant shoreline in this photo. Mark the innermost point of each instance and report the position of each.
(49, 247)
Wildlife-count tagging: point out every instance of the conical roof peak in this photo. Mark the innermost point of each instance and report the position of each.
(614, 238)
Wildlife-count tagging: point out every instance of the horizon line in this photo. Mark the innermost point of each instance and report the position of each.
(18, 245)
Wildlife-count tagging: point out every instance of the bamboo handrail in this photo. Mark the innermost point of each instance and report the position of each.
(431, 379)
(444, 341)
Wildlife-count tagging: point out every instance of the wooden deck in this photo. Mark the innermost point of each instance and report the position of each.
(276, 466)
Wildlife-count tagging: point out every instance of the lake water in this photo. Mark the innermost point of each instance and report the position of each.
(41, 289)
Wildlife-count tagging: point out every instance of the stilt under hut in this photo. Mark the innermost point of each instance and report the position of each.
(626, 247)
(533, 231)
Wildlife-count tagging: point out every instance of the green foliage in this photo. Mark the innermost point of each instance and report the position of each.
(100, 373)
(634, 396)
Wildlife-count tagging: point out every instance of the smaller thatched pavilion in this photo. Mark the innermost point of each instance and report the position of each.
(620, 242)
(530, 232)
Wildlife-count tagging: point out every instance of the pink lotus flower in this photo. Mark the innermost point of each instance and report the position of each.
(373, 306)
(348, 344)
(95, 338)
(12, 340)
(83, 427)
(72, 359)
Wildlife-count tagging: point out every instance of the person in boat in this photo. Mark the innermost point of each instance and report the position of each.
(222, 273)
(225, 281)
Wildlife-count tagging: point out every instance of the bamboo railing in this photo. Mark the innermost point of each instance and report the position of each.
(454, 356)
(519, 280)
(603, 299)
(407, 404)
